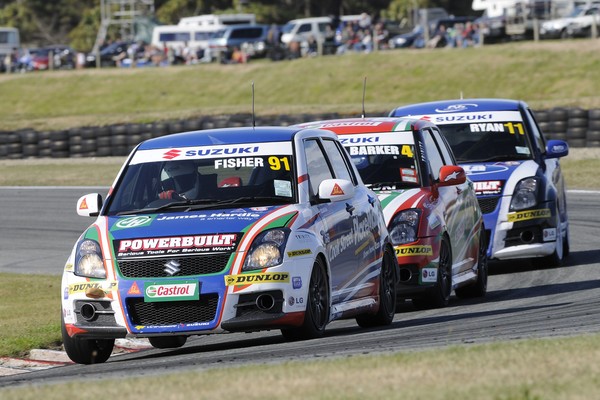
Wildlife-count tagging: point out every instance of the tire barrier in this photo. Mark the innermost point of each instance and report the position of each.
(579, 127)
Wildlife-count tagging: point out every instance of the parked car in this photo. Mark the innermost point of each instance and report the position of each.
(252, 39)
(108, 54)
(515, 170)
(581, 26)
(415, 39)
(558, 28)
(430, 207)
(55, 57)
(228, 230)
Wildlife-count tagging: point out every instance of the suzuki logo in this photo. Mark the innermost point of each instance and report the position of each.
(171, 154)
(172, 267)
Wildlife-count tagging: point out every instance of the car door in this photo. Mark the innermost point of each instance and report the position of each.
(457, 209)
(337, 218)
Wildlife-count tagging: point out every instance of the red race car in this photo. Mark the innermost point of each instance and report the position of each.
(430, 207)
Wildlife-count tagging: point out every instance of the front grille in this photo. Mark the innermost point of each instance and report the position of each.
(190, 265)
(172, 312)
(488, 204)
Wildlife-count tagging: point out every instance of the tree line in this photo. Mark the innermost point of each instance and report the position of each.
(76, 22)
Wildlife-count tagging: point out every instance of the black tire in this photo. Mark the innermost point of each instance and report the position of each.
(316, 316)
(479, 287)
(576, 133)
(439, 295)
(577, 142)
(593, 135)
(167, 342)
(86, 351)
(387, 294)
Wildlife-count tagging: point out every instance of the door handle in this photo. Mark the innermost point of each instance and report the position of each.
(349, 208)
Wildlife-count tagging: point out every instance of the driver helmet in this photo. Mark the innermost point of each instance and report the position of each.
(180, 176)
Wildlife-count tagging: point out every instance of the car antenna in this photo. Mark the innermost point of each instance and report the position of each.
(253, 116)
(461, 95)
(363, 99)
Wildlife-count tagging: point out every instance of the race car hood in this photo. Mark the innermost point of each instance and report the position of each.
(495, 178)
(191, 232)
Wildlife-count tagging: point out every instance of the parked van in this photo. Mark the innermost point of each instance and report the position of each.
(250, 38)
(195, 31)
(299, 30)
(178, 36)
(9, 41)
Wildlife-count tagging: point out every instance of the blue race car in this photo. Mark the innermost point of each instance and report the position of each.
(515, 170)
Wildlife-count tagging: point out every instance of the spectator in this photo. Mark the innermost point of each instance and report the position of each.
(238, 56)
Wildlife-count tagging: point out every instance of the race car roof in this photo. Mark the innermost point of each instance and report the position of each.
(365, 125)
(222, 136)
(457, 105)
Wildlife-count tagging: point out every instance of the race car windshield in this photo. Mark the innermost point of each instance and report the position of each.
(395, 167)
(481, 142)
(185, 185)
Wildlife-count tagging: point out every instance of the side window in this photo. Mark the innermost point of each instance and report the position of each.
(433, 155)
(316, 161)
(338, 161)
(535, 130)
(304, 28)
(444, 147)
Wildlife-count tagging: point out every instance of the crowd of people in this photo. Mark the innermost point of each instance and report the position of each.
(340, 37)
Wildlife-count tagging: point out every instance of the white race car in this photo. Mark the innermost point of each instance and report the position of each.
(228, 230)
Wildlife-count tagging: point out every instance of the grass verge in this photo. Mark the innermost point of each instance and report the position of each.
(564, 368)
(29, 313)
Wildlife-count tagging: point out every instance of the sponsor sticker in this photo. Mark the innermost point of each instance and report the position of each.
(250, 279)
(406, 251)
(549, 234)
(174, 245)
(429, 275)
(530, 214)
(82, 287)
(296, 282)
(133, 222)
(487, 187)
(171, 291)
(298, 253)
(337, 190)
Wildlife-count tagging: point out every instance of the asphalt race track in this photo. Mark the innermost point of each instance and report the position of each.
(38, 228)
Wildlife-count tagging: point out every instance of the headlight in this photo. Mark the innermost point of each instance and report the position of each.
(88, 260)
(267, 249)
(525, 195)
(405, 226)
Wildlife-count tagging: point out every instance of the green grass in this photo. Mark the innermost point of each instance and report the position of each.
(565, 368)
(565, 73)
(29, 313)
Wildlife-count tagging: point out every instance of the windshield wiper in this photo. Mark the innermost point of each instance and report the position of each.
(500, 157)
(379, 185)
(244, 199)
(174, 204)
(200, 204)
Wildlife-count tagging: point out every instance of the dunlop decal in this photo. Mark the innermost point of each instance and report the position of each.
(297, 253)
(527, 215)
(407, 251)
(82, 287)
(249, 279)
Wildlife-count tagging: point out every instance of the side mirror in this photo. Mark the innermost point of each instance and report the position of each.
(89, 205)
(336, 190)
(451, 175)
(556, 149)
